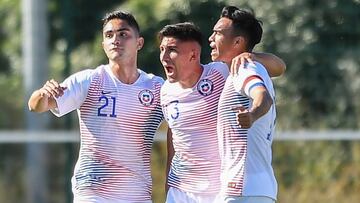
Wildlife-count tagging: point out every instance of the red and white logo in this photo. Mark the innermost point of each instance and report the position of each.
(205, 87)
(146, 97)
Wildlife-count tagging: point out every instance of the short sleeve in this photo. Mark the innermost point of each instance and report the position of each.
(77, 86)
(221, 67)
(252, 75)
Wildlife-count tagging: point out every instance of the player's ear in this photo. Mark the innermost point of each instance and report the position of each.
(239, 41)
(140, 43)
(194, 54)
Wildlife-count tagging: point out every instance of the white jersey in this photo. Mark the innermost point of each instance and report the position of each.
(191, 114)
(117, 125)
(246, 154)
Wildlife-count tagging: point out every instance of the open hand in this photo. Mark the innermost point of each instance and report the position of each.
(240, 60)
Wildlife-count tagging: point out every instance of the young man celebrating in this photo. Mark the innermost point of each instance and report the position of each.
(119, 111)
(246, 116)
(189, 98)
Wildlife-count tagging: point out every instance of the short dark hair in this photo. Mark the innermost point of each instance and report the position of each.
(244, 24)
(186, 31)
(128, 17)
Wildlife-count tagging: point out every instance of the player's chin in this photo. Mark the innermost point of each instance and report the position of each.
(214, 57)
(171, 79)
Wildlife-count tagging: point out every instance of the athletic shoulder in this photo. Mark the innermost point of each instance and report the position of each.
(219, 67)
(259, 68)
(252, 74)
(86, 74)
(152, 77)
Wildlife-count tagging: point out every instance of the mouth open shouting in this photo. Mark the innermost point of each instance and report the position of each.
(170, 72)
(214, 52)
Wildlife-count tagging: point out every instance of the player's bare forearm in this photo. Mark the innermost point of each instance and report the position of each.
(43, 99)
(170, 155)
(40, 102)
(262, 102)
(273, 64)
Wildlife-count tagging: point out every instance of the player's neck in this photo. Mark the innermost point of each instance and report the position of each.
(232, 55)
(228, 63)
(191, 81)
(127, 73)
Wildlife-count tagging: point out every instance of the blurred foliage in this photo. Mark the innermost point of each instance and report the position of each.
(318, 39)
(321, 171)
(9, 35)
(11, 106)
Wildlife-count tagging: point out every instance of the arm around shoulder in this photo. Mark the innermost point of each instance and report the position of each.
(273, 64)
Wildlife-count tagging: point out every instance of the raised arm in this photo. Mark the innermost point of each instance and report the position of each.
(43, 99)
(274, 65)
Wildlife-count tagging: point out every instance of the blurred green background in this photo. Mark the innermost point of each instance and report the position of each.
(318, 39)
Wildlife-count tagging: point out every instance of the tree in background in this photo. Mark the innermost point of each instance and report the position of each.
(317, 39)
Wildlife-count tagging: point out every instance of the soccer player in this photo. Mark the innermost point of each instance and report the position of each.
(189, 98)
(246, 116)
(119, 111)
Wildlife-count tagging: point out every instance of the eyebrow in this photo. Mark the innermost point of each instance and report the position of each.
(168, 46)
(118, 30)
(223, 30)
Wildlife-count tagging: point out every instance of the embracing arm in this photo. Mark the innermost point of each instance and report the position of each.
(43, 99)
(274, 65)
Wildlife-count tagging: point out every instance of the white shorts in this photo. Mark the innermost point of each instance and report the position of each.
(175, 195)
(249, 199)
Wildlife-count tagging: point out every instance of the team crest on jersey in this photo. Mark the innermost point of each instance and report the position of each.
(146, 97)
(205, 87)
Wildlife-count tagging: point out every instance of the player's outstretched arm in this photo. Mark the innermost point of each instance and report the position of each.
(273, 64)
(43, 99)
(170, 155)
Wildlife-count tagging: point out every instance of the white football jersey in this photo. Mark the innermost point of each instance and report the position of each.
(191, 114)
(117, 126)
(246, 154)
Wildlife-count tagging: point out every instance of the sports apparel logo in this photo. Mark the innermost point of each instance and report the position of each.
(146, 97)
(205, 87)
(105, 92)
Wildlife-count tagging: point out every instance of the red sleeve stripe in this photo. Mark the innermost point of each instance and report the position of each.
(252, 77)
